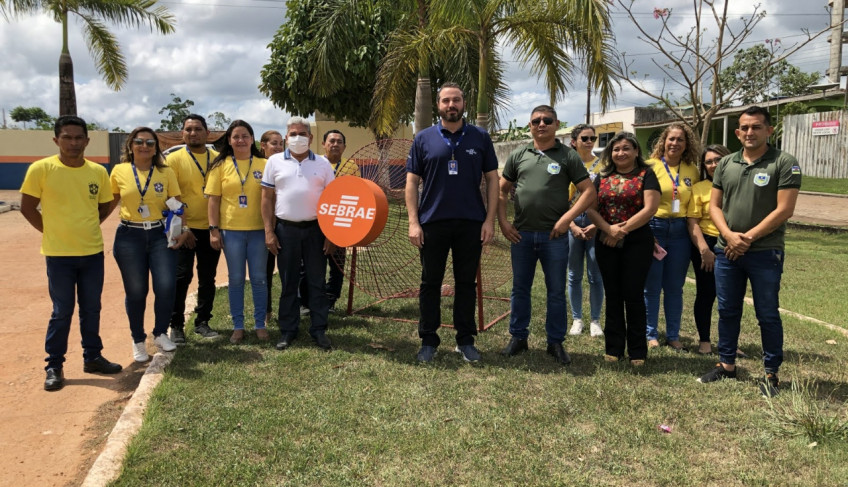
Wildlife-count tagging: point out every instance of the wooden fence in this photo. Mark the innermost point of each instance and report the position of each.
(823, 156)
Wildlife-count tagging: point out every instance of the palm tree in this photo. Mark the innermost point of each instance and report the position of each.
(549, 34)
(102, 45)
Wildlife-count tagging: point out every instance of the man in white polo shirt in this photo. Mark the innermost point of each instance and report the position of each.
(295, 178)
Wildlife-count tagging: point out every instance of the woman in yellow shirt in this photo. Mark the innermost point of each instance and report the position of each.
(674, 163)
(141, 184)
(235, 222)
(270, 143)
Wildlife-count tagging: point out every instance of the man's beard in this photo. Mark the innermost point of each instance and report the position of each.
(450, 116)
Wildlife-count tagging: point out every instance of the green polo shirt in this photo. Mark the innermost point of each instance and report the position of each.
(541, 182)
(750, 192)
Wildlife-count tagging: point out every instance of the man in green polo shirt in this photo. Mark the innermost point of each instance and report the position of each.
(541, 173)
(754, 193)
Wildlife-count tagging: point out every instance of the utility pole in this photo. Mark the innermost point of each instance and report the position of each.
(837, 37)
(588, 102)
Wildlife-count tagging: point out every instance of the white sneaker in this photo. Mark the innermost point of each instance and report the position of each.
(140, 352)
(595, 329)
(576, 327)
(164, 343)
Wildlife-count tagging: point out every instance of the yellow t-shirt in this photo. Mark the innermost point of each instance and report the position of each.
(688, 177)
(699, 207)
(223, 181)
(593, 167)
(70, 197)
(163, 185)
(192, 182)
(346, 168)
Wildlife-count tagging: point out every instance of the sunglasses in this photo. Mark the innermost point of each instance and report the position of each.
(147, 142)
(538, 120)
(587, 138)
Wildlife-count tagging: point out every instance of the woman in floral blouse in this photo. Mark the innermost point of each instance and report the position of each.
(628, 196)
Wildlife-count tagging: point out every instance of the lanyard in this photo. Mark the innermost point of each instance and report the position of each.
(138, 183)
(246, 174)
(336, 169)
(202, 172)
(448, 141)
(674, 181)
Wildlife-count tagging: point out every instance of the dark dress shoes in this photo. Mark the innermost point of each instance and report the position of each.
(55, 380)
(285, 341)
(322, 341)
(559, 353)
(515, 346)
(102, 366)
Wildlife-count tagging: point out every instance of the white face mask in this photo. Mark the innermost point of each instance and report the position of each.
(298, 144)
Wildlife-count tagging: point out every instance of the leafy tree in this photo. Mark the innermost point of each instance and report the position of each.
(690, 62)
(101, 43)
(176, 111)
(325, 57)
(758, 84)
(31, 114)
(215, 121)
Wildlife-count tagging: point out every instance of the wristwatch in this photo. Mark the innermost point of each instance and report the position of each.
(213, 227)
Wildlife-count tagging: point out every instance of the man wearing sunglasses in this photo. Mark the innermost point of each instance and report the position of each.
(541, 173)
(75, 198)
(191, 165)
(450, 158)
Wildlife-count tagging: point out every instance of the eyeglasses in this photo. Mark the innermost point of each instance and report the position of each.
(147, 142)
(538, 120)
(714, 160)
(587, 138)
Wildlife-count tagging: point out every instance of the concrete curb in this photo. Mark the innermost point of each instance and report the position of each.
(108, 465)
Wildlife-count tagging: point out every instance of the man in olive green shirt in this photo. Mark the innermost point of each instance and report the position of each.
(754, 193)
(541, 174)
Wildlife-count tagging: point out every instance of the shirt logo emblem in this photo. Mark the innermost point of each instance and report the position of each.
(761, 179)
(257, 175)
(796, 169)
(554, 168)
(93, 188)
(471, 152)
(159, 187)
(687, 181)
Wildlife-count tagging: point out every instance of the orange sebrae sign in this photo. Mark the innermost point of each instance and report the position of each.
(352, 211)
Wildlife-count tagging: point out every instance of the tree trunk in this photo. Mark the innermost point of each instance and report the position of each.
(423, 104)
(483, 87)
(67, 94)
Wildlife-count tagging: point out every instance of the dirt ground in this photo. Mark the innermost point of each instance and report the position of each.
(52, 438)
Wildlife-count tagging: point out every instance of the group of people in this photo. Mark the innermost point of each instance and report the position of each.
(253, 203)
(636, 224)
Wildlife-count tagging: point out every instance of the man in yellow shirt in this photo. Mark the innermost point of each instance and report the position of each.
(75, 198)
(191, 165)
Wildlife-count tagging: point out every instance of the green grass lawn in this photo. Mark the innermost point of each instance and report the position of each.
(824, 185)
(368, 414)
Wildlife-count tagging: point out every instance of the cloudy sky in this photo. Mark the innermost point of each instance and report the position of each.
(219, 47)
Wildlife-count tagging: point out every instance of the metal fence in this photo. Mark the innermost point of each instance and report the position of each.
(823, 156)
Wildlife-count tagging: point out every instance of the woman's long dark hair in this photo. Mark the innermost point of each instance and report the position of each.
(718, 149)
(225, 149)
(607, 166)
(127, 154)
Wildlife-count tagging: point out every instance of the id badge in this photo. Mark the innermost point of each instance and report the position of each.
(453, 168)
(144, 211)
(243, 201)
(675, 206)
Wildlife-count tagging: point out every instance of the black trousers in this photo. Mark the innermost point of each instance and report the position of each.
(705, 292)
(269, 278)
(624, 271)
(207, 268)
(462, 239)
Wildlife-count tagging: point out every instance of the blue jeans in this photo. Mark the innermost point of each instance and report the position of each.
(578, 251)
(140, 253)
(553, 254)
(667, 275)
(69, 277)
(248, 246)
(763, 269)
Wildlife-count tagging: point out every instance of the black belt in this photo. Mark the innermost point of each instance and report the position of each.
(145, 225)
(305, 224)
